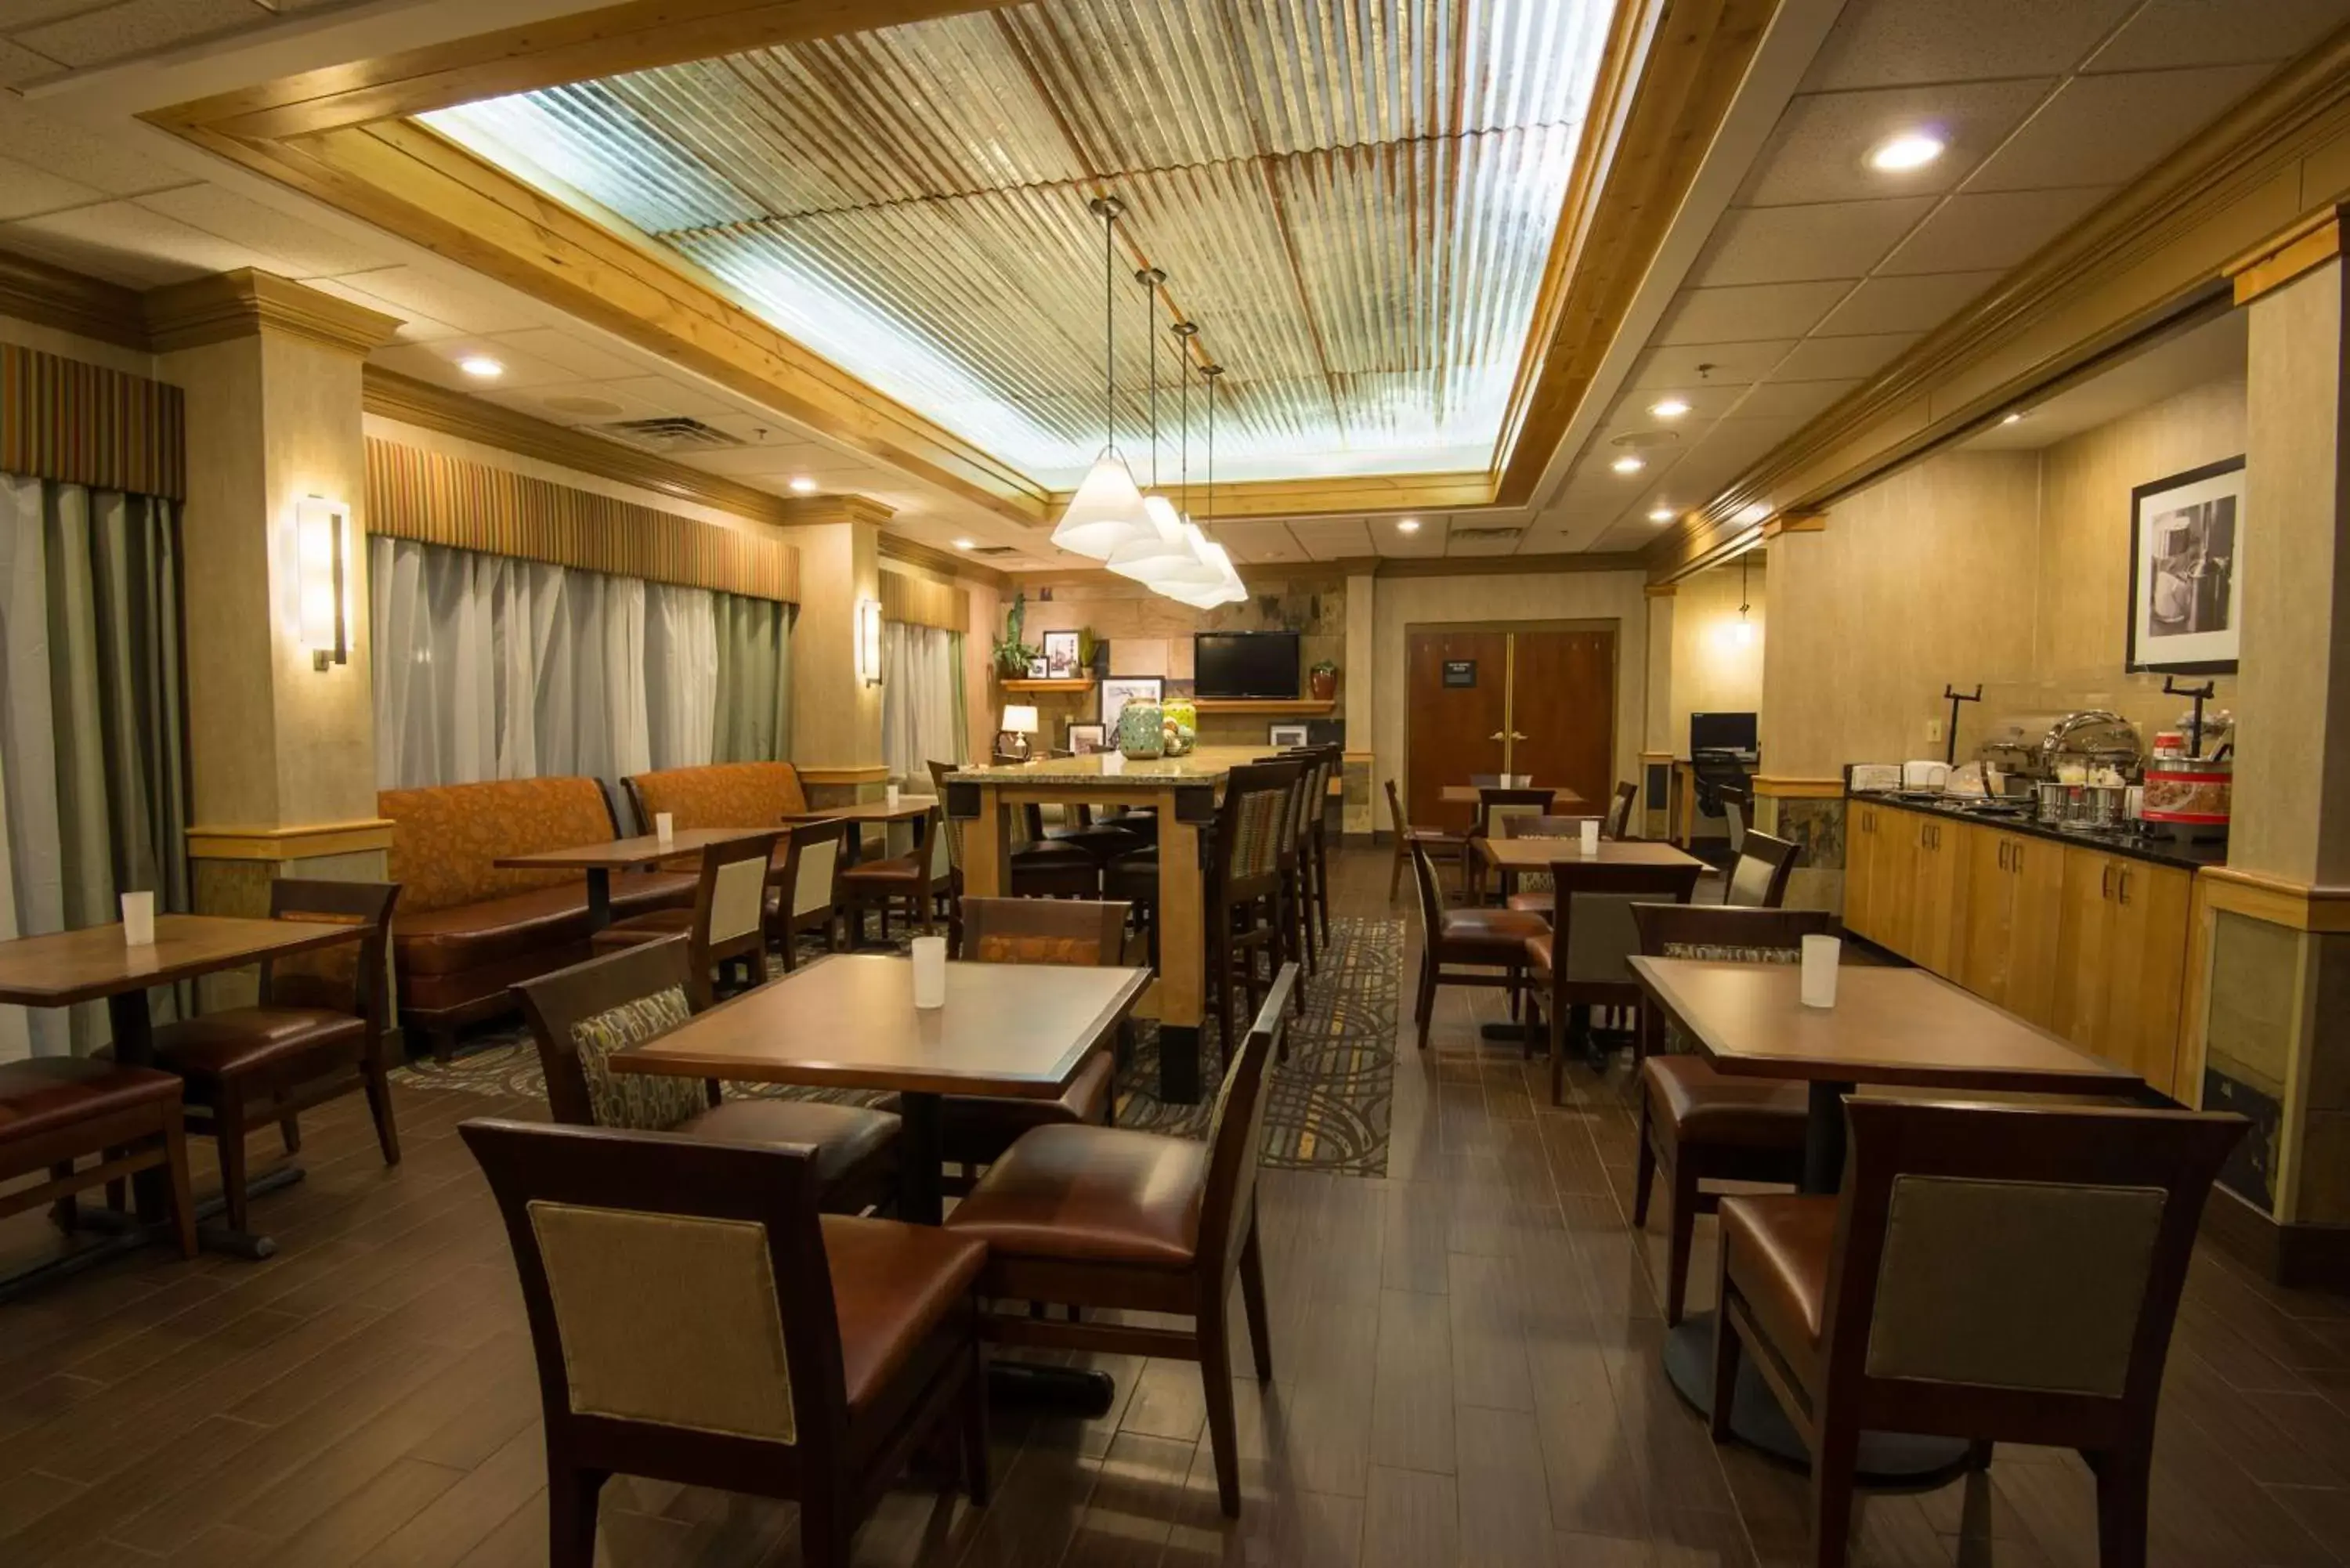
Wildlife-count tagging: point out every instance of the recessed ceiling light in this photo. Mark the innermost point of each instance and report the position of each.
(1661, 513)
(1628, 463)
(481, 366)
(965, 544)
(1910, 149)
(1408, 526)
(804, 486)
(1671, 408)
(2015, 418)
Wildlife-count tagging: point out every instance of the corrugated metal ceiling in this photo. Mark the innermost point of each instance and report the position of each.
(1354, 198)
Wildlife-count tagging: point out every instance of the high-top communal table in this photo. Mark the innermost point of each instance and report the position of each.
(1183, 790)
(1900, 1027)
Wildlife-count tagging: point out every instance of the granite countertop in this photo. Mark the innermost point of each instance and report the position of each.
(1203, 765)
(2135, 846)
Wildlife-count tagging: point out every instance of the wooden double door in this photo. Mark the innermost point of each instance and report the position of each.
(1510, 699)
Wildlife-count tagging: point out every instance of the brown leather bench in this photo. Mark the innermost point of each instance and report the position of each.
(467, 930)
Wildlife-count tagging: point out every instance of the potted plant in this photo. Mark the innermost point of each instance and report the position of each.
(1323, 675)
(1012, 655)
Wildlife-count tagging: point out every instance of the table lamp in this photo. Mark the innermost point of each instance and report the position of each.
(1019, 723)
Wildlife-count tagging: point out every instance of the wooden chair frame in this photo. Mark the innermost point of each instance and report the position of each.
(1489, 798)
(555, 1003)
(1433, 973)
(839, 1463)
(140, 1138)
(706, 954)
(863, 885)
(1567, 996)
(1248, 915)
(787, 926)
(1452, 845)
(1619, 821)
(1780, 854)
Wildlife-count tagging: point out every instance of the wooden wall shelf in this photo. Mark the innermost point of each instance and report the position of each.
(1298, 707)
(1079, 684)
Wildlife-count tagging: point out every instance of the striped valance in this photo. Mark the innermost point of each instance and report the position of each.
(918, 601)
(85, 424)
(413, 493)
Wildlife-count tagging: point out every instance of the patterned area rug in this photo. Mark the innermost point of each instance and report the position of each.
(1331, 1100)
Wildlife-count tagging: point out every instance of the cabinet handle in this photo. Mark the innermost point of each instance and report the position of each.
(2015, 859)
(2004, 848)
(2106, 883)
(2121, 889)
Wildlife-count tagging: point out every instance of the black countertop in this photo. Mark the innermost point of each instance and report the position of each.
(2137, 846)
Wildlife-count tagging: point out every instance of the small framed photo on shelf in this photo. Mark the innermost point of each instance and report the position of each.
(1037, 670)
(1086, 739)
(1117, 690)
(1285, 735)
(1061, 655)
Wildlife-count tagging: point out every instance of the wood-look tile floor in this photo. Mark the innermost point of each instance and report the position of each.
(1466, 1359)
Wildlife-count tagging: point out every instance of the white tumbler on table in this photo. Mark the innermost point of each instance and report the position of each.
(891, 795)
(1821, 956)
(1588, 832)
(664, 828)
(139, 920)
(929, 972)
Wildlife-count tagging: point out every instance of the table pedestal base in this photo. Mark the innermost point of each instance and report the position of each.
(1051, 1390)
(126, 1233)
(1887, 1458)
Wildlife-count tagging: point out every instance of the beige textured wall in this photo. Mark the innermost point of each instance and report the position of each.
(1405, 602)
(1712, 671)
(836, 718)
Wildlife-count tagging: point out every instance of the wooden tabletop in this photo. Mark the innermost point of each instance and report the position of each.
(626, 854)
(1014, 1030)
(1536, 854)
(908, 808)
(1469, 795)
(1887, 1026)
(1109, 770)
(82, 966)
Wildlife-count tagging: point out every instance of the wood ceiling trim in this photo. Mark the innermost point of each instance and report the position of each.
(914, 553)
(616, 38)
(1680, 91)
(1283, 500)
(73, 302)
(2158, 250)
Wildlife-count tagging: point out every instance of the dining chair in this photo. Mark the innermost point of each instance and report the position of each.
(1758, 878)
(1114, 1219)
(1698, 1124)
(1245, 910)
(1298, 934)
(1039, 869)
(1495, 804)
(58, 1110)
(1579, 959)
(1995, 1274)
(696, 1319)
(318, 1030)
(910, 879)
(725, 925)
(1464, 947)
(1317, 829)
(1530, 890)
(804, 895)
(1619, 811)
(579, 1016)
(1737, 801)
(1437, 840)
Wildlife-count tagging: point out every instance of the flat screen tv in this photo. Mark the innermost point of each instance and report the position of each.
(1244, 663)
(1722, 732)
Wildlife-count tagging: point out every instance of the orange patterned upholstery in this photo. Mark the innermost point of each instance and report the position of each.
(446, 837)
(721, 795)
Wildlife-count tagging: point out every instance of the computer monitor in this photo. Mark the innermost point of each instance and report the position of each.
(1722, 732)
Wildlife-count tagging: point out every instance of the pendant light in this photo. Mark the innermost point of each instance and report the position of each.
(1161, 556)
(1226, 587)
(1107, 511)
(1743, 632)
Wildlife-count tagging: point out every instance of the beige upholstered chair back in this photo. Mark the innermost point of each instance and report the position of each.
(1758, 878)
(812, 890)
(938, 836)
(738, 897)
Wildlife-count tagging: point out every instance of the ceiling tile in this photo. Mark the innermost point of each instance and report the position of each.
(1740, 442)
(415, 326)
(70, 152)
(1683, 366)
(124, 240)
(134, 27)
(2217, 32)
(1917, 304)
(1831, 358)
(25, 190)
(413, 289)
(1330, 538)
(1888, 43)
(1990, 229)
(1788, 399)
(19, 65)
(1706, 403)
(1819, 151)
(306, 249)
(1387, 539)
(1754, 311)
(587, 360)
(537, 401)
(1790, 244)
(2103, 130)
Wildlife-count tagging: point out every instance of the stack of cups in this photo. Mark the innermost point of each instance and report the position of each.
(929, 972)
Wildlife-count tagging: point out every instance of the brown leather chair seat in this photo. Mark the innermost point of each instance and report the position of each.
(654, 926)
(892, 1286)
(975, 1129)
(1777, 1247)
(1699, 1105)
(48, 1093)
(1507, 933)
(519, 925)
(1093, 1194)
(245, 1040)
(850, 1141)
(1544, 903)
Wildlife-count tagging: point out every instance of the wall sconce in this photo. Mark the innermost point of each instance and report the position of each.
(322, 554)
(869, 642)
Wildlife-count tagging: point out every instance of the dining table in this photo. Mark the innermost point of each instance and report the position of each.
(1894, 1028)
(912, 808)
(640, 853)
(99, 963)
(1470, 794)
(1514, 857)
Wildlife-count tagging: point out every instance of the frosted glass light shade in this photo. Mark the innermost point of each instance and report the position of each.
(1227, 590)
(1106, 512)
(1163, 557)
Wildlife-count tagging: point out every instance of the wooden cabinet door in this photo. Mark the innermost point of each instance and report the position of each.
(1987, 900)
(2145, 971)
(2036, 879)
(2084, 948)
(1859, 863)
(1893, 861)
(1450, 728)
(1933, 900)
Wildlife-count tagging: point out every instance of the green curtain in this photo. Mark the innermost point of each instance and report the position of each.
(962, 699)
(754, 681)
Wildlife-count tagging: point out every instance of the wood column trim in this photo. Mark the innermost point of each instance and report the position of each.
(1797, 789)
(2307, 245)
(2276, 900)
(239, 303)
(305, 842)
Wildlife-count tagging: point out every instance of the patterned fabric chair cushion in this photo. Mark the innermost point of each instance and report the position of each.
(639, 1101)
(1260, 832)
(721, 795)
(1719, 952)
(445, 838)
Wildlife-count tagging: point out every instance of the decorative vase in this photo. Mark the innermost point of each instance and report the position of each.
(1179, 719)
(1323, 684)
(1139, 737)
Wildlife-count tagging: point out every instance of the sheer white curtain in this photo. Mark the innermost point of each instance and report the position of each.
(922, 676)
(491, 668)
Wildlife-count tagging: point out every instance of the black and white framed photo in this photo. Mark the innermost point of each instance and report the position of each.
(2185, 595)
(1086, 739)
(1038, 670)
(1061, 655)
(1284, 735)
(1117, 690)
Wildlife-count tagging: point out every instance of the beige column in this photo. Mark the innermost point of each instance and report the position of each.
(1799, 784)
(1657, 803)
(835, 716)
(282, 753)
(1363, 804)
(2272, 952)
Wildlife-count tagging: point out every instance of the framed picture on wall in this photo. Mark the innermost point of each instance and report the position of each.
(1117, 690)
(1038, 670)
(1285, 735)
(1086, 739)
(2185, 596)
(1060, 655)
